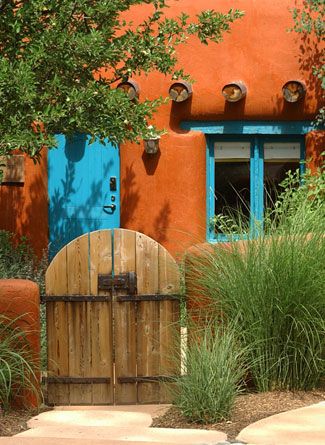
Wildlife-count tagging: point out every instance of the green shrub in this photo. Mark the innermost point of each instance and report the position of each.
(273, 286)
(17, 369)
(214, 365)
(18, 260)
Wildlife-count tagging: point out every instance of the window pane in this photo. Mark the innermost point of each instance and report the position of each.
(279, 159)
(232, 189)
(274, 174)
(277, 151)
(226, 151)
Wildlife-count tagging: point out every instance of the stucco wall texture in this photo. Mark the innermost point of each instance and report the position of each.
(20, 301)
(164, 195)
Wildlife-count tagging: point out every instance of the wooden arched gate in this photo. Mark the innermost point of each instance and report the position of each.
(112, 320)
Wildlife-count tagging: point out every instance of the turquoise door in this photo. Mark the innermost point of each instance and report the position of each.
(83, 188)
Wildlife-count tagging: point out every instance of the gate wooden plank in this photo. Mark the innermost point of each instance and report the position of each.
(124, 320)
(57, 329)
(148, 336)
(79, 316)
(170, 363)
(101, 317)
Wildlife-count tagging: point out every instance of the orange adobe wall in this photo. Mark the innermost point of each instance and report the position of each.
(164, 195)
(23, 207)
(20, 301)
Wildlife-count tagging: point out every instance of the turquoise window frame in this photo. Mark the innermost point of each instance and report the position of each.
(257, 133)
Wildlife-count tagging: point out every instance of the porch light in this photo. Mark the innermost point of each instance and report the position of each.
(234, 91)
(131, 88)
(151, 146)
(180, 91)
(293, 91)
(151, 140)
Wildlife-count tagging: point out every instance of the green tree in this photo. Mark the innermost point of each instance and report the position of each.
(52, 56)
(310, 20)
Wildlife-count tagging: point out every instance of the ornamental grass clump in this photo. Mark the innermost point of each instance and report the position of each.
(215, 368)
(17, 369)
(273, 286)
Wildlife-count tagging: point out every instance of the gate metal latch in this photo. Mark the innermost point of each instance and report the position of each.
(125, 281)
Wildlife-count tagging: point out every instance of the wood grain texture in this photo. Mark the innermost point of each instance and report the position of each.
(79, 316)
(169, 329)
(124, 320)
(14, 168)
(100, 257)
(57, 329)
(87, 339)
(148, 318)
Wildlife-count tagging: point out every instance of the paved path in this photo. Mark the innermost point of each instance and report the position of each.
(303, 426)
(129, 425)
(118, 425)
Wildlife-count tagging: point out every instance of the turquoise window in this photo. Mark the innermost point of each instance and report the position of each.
(245, 173)
(249, 157)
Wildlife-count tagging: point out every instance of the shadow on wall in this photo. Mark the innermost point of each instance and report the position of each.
(23, 207)
(131, 196)
(162, 223)
(310, 55)
(70, 217)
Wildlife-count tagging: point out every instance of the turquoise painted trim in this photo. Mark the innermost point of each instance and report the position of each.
(256, 177)
(249, 127)
(302, 158)
(209, 176)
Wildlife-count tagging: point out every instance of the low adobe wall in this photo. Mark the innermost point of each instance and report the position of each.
(21, 298)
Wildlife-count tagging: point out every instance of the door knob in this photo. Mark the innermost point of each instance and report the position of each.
(110, 206)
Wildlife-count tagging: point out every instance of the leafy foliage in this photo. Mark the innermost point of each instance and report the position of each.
(17, 260)
(310, 19)
(17, 370)
(272, 288)
(215, 368)
(60, 63)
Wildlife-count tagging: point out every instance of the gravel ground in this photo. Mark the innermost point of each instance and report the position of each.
(249, 408)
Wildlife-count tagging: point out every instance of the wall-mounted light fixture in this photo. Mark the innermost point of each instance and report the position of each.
(180, 91)
(234, 91)
(151, 146)
(131, 88)
(151, 140)
(293, 90)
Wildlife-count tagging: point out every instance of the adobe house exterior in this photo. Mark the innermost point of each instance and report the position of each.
(171, 195)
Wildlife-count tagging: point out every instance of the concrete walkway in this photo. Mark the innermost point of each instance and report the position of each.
(129, 425)
(115, 425)
(303, 426)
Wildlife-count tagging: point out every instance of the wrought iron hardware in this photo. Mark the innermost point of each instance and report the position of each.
(147, 297)
(135, 298)
(146, 379)
(75, 298)
(77, 380)
(126, 281)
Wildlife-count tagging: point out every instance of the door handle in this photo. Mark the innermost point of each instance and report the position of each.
(110, 207)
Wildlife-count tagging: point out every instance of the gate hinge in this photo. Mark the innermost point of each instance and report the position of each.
(124, 281)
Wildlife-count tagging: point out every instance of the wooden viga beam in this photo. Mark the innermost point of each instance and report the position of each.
(293, 90)
(234, 91)
(131, 88)
(180, 91)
